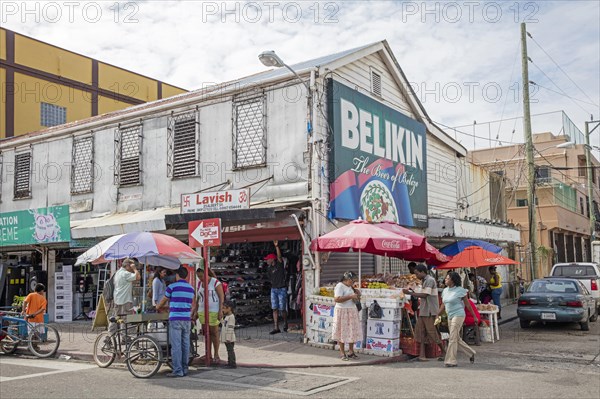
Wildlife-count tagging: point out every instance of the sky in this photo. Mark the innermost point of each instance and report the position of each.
(462, 58)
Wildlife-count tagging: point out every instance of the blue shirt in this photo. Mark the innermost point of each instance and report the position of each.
(453, 301)
(181, 296)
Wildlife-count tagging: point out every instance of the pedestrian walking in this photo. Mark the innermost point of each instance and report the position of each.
(277, 273)
(496, 288)
(454, 302)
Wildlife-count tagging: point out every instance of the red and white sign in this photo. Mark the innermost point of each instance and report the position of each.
(205, 233)
(215, 201)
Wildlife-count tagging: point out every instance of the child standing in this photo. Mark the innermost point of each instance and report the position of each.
(228, 333)
(35, 305)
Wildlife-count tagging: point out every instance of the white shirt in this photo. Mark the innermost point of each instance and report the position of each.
(213, 297)
(342, 289)
(123, 286)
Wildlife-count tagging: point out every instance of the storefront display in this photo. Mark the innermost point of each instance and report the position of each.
(242, 267)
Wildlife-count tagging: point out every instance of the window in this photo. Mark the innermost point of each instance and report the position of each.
(128, 160)
(581, 206)
(375, 83)
(521, 202)
(23, 175)
(82, 168)
(183, 146)
(542, 174)
(250, 133)
(52, 115)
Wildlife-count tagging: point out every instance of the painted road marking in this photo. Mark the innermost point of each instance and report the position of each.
(55, 366)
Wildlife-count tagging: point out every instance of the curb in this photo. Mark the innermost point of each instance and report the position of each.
(507, 320)
(89, 357)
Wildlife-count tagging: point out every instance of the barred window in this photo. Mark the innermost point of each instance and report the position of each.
(52, 115)
(128, 160)
(82, 168)
(183, 146)
(250, 133)
(375, 83)
(22, 175)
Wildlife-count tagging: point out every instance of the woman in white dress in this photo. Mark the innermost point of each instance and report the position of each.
(346, 326)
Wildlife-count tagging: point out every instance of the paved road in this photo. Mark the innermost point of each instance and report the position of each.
(550, 362)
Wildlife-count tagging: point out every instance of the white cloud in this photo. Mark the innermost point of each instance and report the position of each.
(192, 43)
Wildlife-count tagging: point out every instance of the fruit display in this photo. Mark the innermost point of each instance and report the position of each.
(487, 307)
(376, 285)
(326, 291)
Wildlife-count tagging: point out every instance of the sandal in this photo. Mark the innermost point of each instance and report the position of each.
(344, 358)
(215, 361)
(352, 356)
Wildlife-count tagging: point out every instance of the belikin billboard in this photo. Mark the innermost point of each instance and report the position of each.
(378, 166)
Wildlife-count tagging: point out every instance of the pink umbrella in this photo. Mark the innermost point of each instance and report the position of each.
(362, 236)
(421, 249)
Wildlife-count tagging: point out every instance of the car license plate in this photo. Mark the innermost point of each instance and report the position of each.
(548, 316)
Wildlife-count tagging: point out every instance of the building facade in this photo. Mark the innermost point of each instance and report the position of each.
(349, 140)
(561, 194)
(44, 85)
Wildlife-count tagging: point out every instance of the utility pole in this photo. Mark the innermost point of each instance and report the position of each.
(533, 245)
(590, 186)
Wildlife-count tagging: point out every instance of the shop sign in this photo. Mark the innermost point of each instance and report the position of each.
(229, 200)
(35, 226)
(378, 167)
(205, 233)
(480, 231)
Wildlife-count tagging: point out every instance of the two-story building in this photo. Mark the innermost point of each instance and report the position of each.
(291, 155)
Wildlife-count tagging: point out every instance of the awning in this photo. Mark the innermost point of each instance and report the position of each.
(122, 223)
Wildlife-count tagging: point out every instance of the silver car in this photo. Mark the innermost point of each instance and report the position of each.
(556, 299)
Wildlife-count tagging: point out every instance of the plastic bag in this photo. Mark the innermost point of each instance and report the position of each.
(375, 311)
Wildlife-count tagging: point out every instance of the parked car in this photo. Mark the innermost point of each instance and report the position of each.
(587, 273)
(557, 299)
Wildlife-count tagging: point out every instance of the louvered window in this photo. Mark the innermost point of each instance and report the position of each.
(23, 175)
(128, 160)
(250, 133)
(82, 168)
(376, 83)
(52, 115)
(183, 145)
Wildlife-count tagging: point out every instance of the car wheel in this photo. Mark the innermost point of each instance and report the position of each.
(524, 323)
(585, 325)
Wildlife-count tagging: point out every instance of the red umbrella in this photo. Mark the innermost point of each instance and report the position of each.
(362, 236)
(476, 257)
(421, 250)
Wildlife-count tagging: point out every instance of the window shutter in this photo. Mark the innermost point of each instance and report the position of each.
(22, 187)
(183, 145)
(128, 160)
(82, 168)
(376, 83)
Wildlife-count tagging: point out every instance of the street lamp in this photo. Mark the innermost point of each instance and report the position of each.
(588, 164)
(270, 59)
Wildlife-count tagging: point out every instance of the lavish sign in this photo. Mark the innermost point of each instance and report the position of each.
(35, 226)
(378, 167)
(229, 200)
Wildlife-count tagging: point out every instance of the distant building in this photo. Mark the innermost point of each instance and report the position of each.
(44, 85)
(561, 196)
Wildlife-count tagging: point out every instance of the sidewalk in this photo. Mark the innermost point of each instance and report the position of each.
(509, 313)
(254, 348)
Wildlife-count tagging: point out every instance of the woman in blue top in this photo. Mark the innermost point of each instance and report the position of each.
(454, 299)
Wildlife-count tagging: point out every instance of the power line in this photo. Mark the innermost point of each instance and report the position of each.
(562, 94)
(562, 70)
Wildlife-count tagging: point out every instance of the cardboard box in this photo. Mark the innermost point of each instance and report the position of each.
(377, 328)
(384, 345)
(323, 310)
(320, 323)
(391, 310)
(321, 337)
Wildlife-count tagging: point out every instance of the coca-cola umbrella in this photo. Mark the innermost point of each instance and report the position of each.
(421, 249)
(364, 237)
(476, 257)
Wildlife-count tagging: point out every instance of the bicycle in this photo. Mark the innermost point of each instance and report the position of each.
(42, 340)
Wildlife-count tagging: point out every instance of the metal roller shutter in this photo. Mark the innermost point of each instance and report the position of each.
(340, 262)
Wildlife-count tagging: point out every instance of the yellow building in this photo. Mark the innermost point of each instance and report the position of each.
(43, 85)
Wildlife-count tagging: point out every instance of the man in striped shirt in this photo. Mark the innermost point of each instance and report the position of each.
(181, 298)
